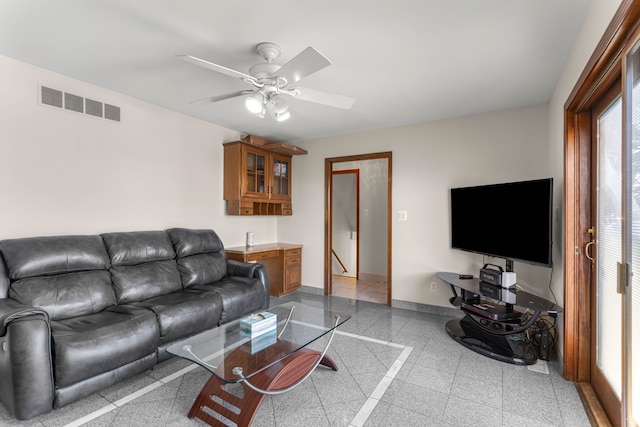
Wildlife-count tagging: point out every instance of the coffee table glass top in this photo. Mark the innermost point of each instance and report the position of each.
(225, 348)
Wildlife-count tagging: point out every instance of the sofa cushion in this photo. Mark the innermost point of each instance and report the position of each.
(239, 295)
(66, 295)
(184, 313)
(201, 256)
(136, 247)
(37, 256)
(140, 282)
(188, 242)
(4, 280)
(202, 268)
(87, 346)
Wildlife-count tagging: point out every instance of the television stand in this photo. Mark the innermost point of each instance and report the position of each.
(495, 319)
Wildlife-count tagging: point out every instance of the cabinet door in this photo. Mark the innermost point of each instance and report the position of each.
(281, 182)
(255, 174)
(272, 261)
(293, 278)
(293, 269)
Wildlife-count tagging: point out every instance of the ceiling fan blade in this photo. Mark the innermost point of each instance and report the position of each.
(305, 63)
(210, 99)
(326, 98)
(219, 68)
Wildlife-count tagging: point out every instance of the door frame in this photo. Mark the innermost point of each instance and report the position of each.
(603, 70)
(328, 173)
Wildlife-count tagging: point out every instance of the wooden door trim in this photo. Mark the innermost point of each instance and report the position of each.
(576, 287)
(328, 169)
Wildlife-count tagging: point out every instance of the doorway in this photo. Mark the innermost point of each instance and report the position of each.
(358, 227)
(345, 223)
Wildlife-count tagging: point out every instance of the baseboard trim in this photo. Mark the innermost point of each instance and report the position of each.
(427, 308)
(311, 290)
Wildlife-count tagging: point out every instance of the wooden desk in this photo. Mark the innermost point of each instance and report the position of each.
(283, 262)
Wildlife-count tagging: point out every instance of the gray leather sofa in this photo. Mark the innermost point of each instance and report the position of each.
(80, 313)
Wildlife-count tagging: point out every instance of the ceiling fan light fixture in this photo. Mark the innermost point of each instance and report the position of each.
(279, 107)
(279, 104)
(255, 103)
(281, 117)
(270, 81)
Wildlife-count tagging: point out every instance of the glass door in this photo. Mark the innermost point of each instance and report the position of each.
(631, 382)
(606, 357)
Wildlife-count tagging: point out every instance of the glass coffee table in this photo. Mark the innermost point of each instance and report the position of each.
(271, 363)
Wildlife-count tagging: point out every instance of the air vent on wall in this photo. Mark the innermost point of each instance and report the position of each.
(71, 102)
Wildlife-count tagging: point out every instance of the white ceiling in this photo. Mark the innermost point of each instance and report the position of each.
(405, 61)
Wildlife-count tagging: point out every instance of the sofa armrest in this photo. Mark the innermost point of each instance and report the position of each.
(11, 310)
(239, 268)
(251, 269)
(26, 372)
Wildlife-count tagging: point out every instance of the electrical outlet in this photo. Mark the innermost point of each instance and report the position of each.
(433, 286)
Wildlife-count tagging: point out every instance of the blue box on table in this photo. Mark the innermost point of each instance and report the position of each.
(258, 324)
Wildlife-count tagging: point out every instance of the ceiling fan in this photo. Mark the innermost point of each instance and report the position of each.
(272, 81)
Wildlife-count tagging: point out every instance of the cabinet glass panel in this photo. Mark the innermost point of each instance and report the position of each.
(280, 177)
(255, 173)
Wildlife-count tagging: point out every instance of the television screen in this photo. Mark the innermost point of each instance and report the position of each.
(511, 220)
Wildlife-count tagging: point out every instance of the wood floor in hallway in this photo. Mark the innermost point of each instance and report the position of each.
(350, 287)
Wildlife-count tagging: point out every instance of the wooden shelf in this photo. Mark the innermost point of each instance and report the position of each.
(276, 147)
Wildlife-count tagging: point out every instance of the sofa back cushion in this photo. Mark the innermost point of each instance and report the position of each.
(4, 279)
(44, 256)
(64, 296)
(200, 254)
(64, 275)
(142, 265)
(136, 247)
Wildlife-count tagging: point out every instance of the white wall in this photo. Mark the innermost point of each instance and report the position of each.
(69, 173)
(428, 159)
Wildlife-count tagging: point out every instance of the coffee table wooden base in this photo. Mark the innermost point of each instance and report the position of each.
(241, 410)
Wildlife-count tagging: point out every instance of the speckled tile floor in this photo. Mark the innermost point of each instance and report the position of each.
(397, 367)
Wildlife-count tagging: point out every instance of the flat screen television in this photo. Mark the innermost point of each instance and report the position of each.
(509, 220)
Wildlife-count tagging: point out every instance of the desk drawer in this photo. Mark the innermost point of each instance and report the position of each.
(293, 260)
(262, 255)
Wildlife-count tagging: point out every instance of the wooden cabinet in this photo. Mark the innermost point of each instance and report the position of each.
(257, 177)
(283, 262)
